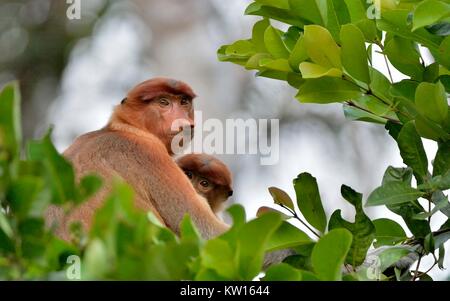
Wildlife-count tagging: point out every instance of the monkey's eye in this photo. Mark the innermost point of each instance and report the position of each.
(189, 174)
(185, 100)
(204, 183)
(163, 102)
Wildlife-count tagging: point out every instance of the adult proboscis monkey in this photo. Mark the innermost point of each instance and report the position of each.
(136, 146)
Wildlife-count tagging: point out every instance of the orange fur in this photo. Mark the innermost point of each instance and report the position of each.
(135, 145)
(203, 166)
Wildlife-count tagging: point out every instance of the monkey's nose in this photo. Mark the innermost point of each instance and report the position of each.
(230, 193)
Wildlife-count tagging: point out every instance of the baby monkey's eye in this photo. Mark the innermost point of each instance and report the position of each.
(189, 174)
(204, 183)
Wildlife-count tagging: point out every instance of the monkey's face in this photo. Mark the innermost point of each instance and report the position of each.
(164, 115)
(160, 106)
(214, 193)
(168, 114)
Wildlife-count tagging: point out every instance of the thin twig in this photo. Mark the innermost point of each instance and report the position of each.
(387, 66)
(299, 219)
(416, 272)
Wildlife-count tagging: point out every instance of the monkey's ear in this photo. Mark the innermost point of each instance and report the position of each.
(123, 101)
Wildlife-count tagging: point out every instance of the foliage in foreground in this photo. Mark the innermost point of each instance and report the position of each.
(326, 54)
(323, 55)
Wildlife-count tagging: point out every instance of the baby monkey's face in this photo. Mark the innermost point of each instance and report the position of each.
(215, 194)
(202, 185)
(209, 176)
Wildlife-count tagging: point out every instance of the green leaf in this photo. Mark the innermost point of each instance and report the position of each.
(31, 231)
(431, 73)
(287, 236)
(375, 105)
(88, 186)
(244, 48)
(441, 203)
(441, 182)
(353, 113)
(95, 261)
(59, 173)
(308, 10)
(429, 12)
(428, 243)
(327, 90)
(282, 272)
(237, 212)
(264, 209)
(441, 238)
(442, 53)
(298, 54)
(251, 241)
(321, 47)
(274, 74)
(301, 260)
(279, 14)
(258, 35)
(218, 256)
(333, 13)
(354, 55)
(254, 61)
(23, 193)
(329, 254)
(404, 55)
(440, 29)
(275, 3)
(188, 231)
(397, 174)
(441, 162)
(412, 151)
(356, 9)
(5, 225)
(236, 59)
(393, 193)
(10, 129)
(380, 85)
(395, 21)
(291, 36)
(362, 229)
(405, 90)
(280, 197)
(310, 70)
(309, 202)
(278, 64)
(419, 228)
(274, 44)
(388, 232)
(389, 256)
(431, 101)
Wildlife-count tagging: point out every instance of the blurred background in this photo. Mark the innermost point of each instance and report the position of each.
(72, 73)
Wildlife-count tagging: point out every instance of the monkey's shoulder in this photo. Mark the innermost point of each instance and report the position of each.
(108, 144)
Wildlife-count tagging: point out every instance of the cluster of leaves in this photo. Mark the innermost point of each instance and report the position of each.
(326, 53)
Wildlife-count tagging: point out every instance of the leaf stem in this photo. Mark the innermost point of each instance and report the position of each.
(294, 214)
(416, 272)
(352, 104)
